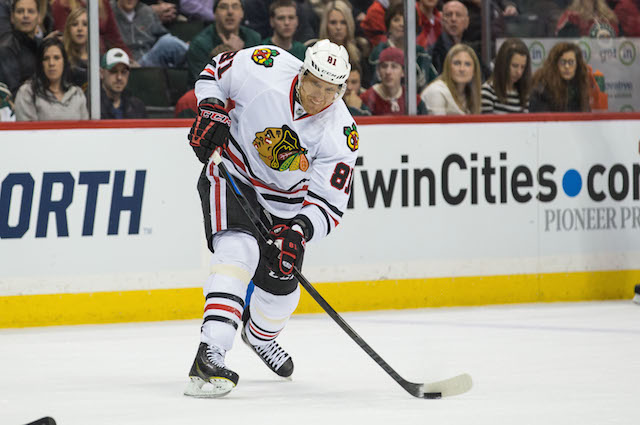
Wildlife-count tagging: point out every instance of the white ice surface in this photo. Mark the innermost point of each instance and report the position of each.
(574, 363)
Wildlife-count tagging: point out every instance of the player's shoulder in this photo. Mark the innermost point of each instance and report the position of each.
(342, 129)
(270, 59)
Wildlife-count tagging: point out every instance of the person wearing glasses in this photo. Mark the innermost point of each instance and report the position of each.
(562, 83)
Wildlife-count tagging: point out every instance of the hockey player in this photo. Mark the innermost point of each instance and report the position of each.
(290, 144)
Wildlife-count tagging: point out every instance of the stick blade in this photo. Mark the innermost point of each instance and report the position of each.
(43, 421)
(449, 387)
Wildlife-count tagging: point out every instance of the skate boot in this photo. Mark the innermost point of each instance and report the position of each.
(272, 355)
(209, 377)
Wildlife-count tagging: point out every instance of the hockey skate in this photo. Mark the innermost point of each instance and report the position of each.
(209, 377)
(274, 356)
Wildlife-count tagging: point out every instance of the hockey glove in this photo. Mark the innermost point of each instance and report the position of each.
(286, 249)
(210, 129)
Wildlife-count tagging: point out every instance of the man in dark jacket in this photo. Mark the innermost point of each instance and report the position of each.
(18, 48)
(115, 102)
(226, 30)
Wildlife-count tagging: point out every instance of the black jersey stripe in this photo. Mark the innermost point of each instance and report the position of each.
(206, 77)
(231, 297)
(326, 217)
(221, 319)
(335, 210)
(282, 199)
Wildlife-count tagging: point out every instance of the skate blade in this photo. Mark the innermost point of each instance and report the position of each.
(215, 388)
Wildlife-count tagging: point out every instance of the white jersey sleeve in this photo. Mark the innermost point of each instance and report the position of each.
(332, 173)
(219, 79)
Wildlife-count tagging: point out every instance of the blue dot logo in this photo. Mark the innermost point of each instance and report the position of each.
(572, 182)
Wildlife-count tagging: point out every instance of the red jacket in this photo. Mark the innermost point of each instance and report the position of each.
(430, 31)
(373, 24)
(628, 13)
(109, 33)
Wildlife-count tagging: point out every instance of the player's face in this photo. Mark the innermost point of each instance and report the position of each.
(79, 30)
(115, 79)
(25, 16)
(353, 83)
(229, 14)
(461, 68)
(53, 63)
(396, 27)
(516, 67)
(391, 74)
(336, 27)
(567, 65)
(284, 21)
(316, 94)
(127, 5)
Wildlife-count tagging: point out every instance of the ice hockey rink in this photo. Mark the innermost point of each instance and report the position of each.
(558, 363)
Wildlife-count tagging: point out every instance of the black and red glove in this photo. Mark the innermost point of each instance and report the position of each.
(290, 246)
(210, 129)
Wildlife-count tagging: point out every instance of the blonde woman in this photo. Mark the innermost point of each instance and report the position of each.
(338, 26)
(75, 39)
(108, 28)
(588, 18)
(457, 90)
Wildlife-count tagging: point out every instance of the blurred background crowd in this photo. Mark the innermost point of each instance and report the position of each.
(151, 52)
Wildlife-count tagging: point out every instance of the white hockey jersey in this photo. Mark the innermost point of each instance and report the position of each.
(297, 163)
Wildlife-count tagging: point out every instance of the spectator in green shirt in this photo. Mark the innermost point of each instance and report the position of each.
(283, 18)
(225, 30)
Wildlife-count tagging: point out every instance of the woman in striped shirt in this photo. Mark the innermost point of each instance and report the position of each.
(507, 91)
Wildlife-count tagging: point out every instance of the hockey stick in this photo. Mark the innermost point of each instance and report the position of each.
(448, 387)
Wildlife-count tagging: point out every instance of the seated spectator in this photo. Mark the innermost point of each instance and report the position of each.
(283, 19)
(6, 104)
(455, 21)
(354, 90)
(109, 32)
(226, 30)
(75, 38)
(187, 105)
(430, 22)
(373, 24)
(19, 48)
(388, 96)
(49, 94)
(308, 22)
(338, 26)
(507, 91)
(474, 9)
(562, 83)
(197, 10)
(457, 90)
(166, 11)
(115, 102)
(628, 13)
(45, 20)
(588, 18)
(148, 40)
(394, 21)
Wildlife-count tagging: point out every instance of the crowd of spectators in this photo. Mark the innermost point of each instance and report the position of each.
(44, 51)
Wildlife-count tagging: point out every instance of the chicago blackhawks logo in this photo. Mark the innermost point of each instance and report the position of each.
(280, 149)
(353, 139)
(264, 57)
